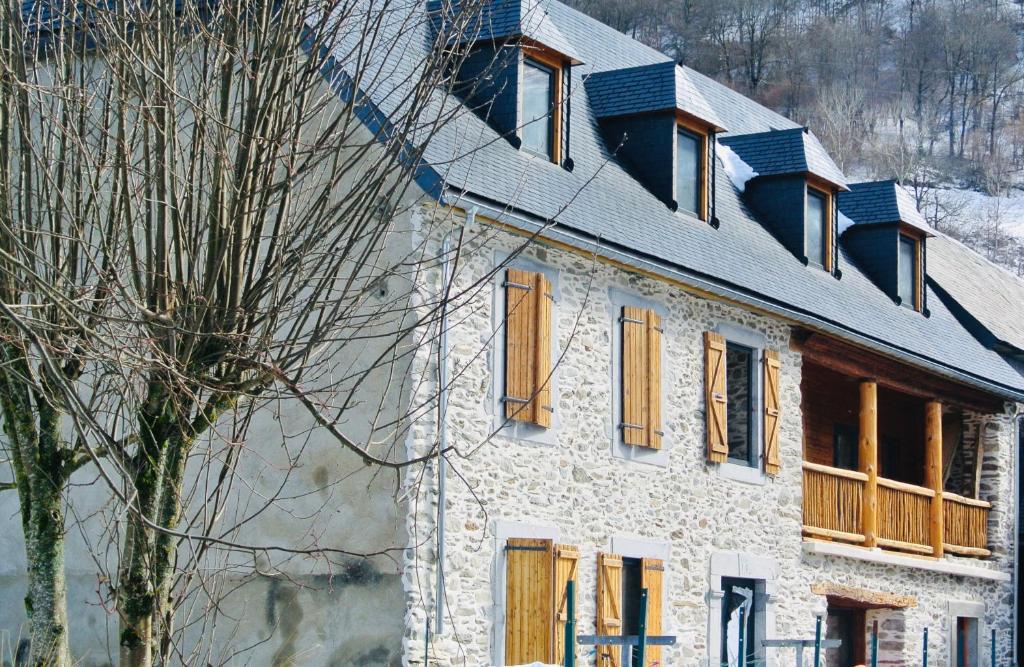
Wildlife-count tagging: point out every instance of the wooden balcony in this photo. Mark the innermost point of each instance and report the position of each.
(834, 508)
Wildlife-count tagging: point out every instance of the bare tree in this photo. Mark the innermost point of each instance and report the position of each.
(200, 210)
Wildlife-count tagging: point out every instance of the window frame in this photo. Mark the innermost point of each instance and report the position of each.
(701, 131)
(917, 287)
(520, 430)
(617, 299)
(821, 190)
(965, 609)
(753, 455)
(503, 530)
(545, 61)
(758, 344)
(740, 565)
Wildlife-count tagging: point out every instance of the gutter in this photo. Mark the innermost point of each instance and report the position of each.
(559, 232)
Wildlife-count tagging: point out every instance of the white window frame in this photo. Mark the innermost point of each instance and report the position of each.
(741, 565)
(617, 299)
(628, 546)
(503, 530)
(758, 343)
(965, 609)
(516, 429)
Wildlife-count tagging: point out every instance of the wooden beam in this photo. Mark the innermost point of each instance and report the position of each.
(856, 362)
(933, 471)
(863, 598)
(868, 457)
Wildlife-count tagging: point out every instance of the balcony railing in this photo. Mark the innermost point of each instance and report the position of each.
(833, 506)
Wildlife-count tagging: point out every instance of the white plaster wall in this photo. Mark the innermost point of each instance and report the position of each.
(576, 487)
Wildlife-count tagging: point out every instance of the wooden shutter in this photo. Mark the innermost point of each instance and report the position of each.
(541, 404)
(609, 600)
(566, 560)
(527, 347)
(528, 596)
(714, 396)
(641, 377)
(771, 411)
(652, 578)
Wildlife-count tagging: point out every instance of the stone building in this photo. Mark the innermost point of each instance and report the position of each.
(722, 374)
(691, 359)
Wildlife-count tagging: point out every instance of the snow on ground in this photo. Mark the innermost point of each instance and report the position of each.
(978, 210)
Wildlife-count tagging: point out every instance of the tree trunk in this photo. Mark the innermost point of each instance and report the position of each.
(46, 602)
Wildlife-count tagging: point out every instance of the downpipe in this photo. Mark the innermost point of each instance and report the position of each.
(442, 423)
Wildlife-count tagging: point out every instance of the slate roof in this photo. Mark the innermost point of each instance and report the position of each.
(989, 294)
(783, 152)
(646, 88)
(502, 19)
(880, 202)
(600, 208)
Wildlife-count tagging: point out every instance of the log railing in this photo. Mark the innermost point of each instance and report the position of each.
(833, 508)
(833, 502)
(904, 513)
(966, 525)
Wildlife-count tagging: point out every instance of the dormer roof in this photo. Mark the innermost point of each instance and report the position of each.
(660, 86)
(882, 202)
(786, 152)
(505, 19)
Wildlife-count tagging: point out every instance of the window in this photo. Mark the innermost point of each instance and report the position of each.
(689, 172)
(845, 447)
(540, 108)
(619, 585)
(641, 377)
(734, 397)
(848, 626)
(536, 574)
(818, 237)
(739, 374)
(966, 642)
(692, 155)
(908, 272)
(741, 598)
(527, 392)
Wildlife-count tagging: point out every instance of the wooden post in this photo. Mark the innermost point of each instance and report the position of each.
(933, 470)
(869, 459)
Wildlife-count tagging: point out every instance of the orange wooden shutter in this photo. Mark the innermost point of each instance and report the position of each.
(714, 396)
(520, 342)
(652, 578)
(541, 403)
(634, 376)
(609, 600)
(654, 380)
(528, 596)
(527, 347)
(641, 377)
(771, 412)
(566, 560)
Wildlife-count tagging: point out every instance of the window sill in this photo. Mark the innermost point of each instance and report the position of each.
(944, 566)
(742, 474)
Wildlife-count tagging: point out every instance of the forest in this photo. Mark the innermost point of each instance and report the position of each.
(926, 91)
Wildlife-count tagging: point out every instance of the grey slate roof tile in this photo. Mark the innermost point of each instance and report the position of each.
(645, 88)
(879, 202)
(786, 151)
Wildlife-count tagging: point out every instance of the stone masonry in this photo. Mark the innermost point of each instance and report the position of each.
(573, 484)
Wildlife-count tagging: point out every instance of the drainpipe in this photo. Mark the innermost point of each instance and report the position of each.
(442, 430)
(1018, 469)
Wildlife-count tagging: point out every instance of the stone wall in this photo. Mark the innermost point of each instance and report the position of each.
(570, 486)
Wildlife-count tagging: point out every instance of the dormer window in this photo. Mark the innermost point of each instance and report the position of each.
(540, 108)
(818, 228)
(691, 170)
(910, 272)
